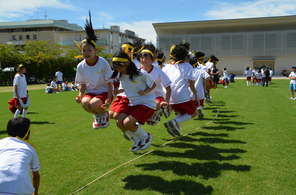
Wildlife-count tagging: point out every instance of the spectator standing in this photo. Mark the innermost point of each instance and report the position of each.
(266, 77)
(59, 76)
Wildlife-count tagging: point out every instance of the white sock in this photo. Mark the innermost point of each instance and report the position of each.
(25, 113)
(141, 132)
(133, 135)
(17, 112)
(183, 118)
(247, 83)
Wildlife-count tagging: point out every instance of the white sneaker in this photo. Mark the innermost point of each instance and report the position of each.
(291, 98)
(294, 99)
(146, 141)
(169, 129)
(175, 127)
(136, 146)
(200, 114)
(96, 123)
(226, 87)
(105, 120)
(155, 119)
(127, 137)
(167, 111)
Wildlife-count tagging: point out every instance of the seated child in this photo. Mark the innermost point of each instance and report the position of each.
(48, 88)
(66, 87)
(74, 87)
(17, 157)
(231, 77)
(53, 85)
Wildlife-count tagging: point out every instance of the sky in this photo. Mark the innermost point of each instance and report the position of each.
(138, 16)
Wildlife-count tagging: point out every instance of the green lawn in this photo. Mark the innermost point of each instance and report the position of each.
(248, 149)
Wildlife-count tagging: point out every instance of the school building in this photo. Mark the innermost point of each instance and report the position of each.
(62, 32)
(269, 41)
(111, 39)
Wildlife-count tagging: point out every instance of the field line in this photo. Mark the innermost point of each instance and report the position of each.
(145, 154)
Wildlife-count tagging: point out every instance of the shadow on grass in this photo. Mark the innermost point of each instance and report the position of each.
(41, 122)
(207, 170)
(233, 123)
(3, 132)
(223, 127)
(33, 113)
(155, 183)
(201, 152)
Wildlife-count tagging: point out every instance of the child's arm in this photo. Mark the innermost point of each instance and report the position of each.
(110, 93)
(36, 181)
(167, 96)
(206, 83)
(147, 90)
(292, 78)
(191, 85)
(16, 94)
(82, 90)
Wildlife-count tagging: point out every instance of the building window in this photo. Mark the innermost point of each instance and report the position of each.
(225, 42)
(21, 37)
(258, 41)
(291, 40)
(34, 36)
(270, 41)
(237, 42)
(13, 37)
(28, 37)
(206, 43)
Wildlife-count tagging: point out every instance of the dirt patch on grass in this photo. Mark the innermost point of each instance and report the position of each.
(29, 87)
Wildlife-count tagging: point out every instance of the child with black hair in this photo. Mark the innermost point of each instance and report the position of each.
(154, 50)
(17, 158)
(53, 85)
(138, 86)
(225, 77)
(180, 73)
(187, 46)
(201, 81)
(292, 87)
(59, 76)
(48, 89)
(93, 73)
(162, 82)
(20, 93)
(248, 73)
(129, 49)
(200, 56)
(161, 59)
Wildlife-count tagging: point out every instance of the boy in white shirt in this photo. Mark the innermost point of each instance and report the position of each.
(225, 77)
(17, 158)
(293, 82)
(59, 76)
(53, 85)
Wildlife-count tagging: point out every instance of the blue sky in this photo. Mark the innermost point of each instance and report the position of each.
(139, 15)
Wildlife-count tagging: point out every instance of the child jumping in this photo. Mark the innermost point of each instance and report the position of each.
(17, 158)
(94, 73)
(180, 74)
(138, 86)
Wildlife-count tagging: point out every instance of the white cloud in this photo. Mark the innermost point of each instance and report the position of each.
(15, 8)
(144, 29)
(259, 8)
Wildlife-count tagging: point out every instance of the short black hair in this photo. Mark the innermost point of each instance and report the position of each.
(18, 127)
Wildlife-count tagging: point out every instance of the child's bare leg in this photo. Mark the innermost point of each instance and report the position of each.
(95, 105)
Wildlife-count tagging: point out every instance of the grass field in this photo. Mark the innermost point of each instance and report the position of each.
(248, 149)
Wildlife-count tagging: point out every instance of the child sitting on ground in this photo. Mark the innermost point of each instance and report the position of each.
(48, 88)
(66, 87)
(17, 157)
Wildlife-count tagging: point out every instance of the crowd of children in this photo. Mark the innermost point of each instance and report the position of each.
(260, 76)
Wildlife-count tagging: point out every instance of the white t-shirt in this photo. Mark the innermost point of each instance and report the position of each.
(155, 63)
(292, 74)
(59, 75)
(179, 75)
(254, 72)
(191, 54)
(65, 86)
(137, 63)
(161, 79)
(131, 89)
(53, 84)
(262, 72)
(270, 73)
(47, 89)
(210, 65)
(259, 75)
(17, 158)
(199, 76)
(21, 83)
(248, 73)
(95, 77)
(225, 75)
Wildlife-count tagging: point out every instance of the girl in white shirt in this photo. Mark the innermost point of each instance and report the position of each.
(138, 86)
(161, 59)
(162, 81)
(20, 93)
(93, 73)
(248, 73)
(180, 73)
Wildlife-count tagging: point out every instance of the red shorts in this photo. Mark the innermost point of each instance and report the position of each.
(186, 107)
(269, 79)
(248, 78)
(259, 80)
(102, 96)
(160, 99)
(254, 79)
(119, 104)
(140, 112)
(17, 102)
(201, 102)
(211, 83)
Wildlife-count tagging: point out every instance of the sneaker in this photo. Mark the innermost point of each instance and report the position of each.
(210, 97)
(175, 127)
(155, 119)
(226, 87)
(200, 114)
(146, 141)
(96, 124)
(209, 100)
(161, 113)
(127, 137)
(105, 120)
(166, 111)
(136, 147)
(294, 99)
(169, 129)
(149, 121)
(291, 98)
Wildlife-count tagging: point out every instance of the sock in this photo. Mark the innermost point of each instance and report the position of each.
(133, 135)
(183, 118)
(141, 132)
(247, 83)
(17, 112)
(25, 113)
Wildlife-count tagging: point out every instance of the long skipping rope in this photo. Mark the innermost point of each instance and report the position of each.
(145, 154)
